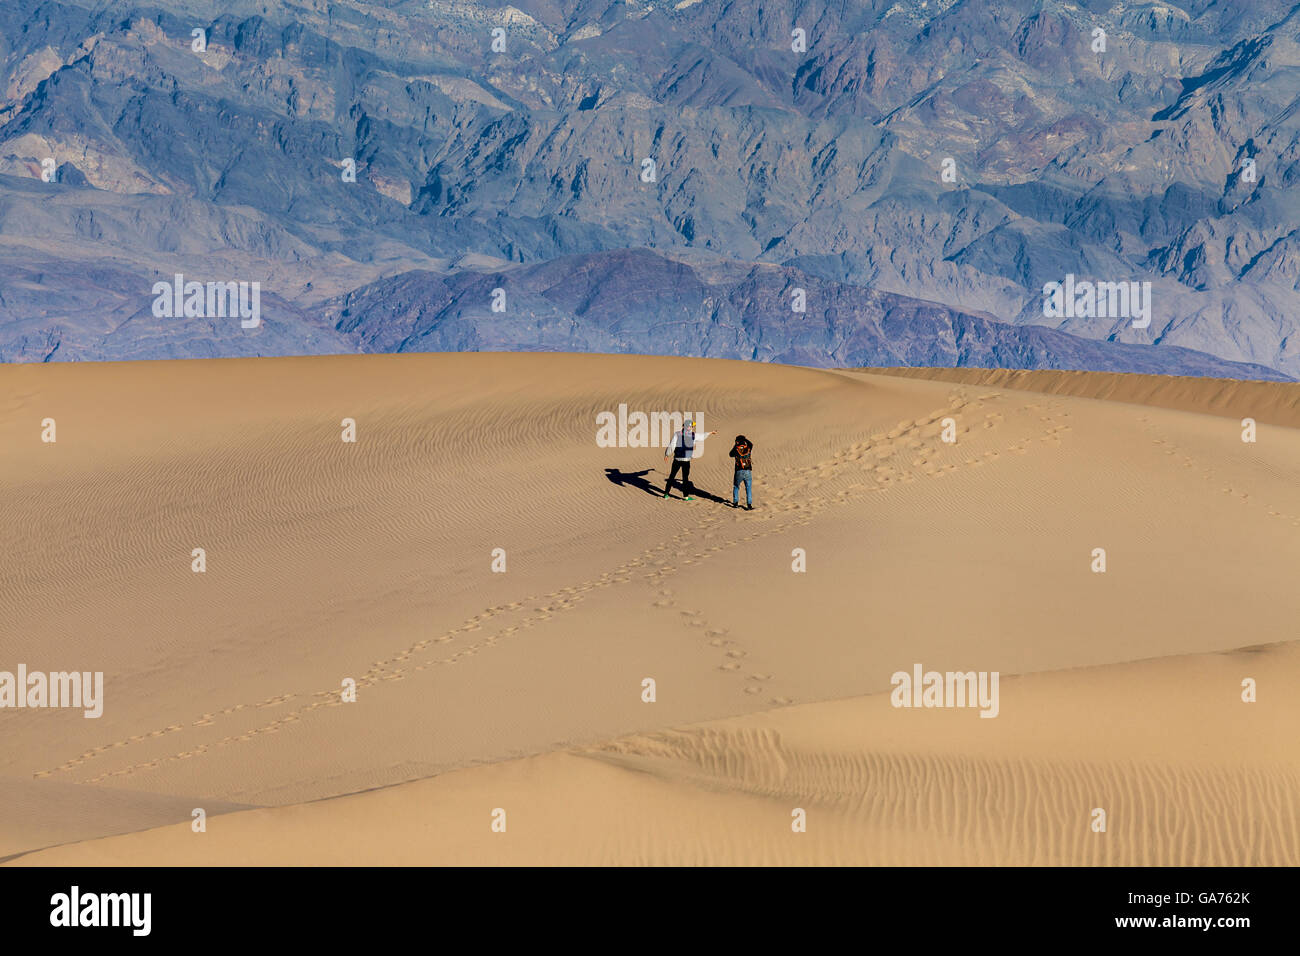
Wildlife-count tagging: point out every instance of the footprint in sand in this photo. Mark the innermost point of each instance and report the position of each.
(535, 611)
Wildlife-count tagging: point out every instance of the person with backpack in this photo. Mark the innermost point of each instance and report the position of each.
(744, 472)
(684, 446)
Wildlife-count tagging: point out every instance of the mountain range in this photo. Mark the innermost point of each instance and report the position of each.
(818, 183)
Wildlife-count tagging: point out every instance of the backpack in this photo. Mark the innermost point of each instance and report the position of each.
(684, 451)
(742, 451)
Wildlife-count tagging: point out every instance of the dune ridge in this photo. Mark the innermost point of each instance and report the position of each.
(874, 791)
(373, 561)
(1274, 402)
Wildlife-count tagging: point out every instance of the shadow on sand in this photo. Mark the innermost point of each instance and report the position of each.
(637, 479)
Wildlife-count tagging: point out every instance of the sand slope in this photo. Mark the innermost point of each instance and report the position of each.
(1263, 401)
(372, 561)
(879, 785)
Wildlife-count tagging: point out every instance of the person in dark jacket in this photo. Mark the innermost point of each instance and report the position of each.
(687, 445)
(740, 451)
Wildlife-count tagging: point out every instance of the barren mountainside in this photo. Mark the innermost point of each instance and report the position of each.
(660, 177)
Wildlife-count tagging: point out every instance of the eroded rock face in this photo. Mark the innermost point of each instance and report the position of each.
(922, 171)
(638, 301)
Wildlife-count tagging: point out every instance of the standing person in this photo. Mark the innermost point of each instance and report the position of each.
(684, 446)
(744, 472)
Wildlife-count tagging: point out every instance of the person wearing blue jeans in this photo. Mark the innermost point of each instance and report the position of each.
(740, 451)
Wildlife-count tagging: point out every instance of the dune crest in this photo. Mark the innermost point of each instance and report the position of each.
(878, 787)
(498, 587)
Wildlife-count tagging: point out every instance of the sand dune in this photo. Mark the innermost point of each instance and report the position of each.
(1263, 401)
(47, 813)
(879, 785)
(372, 561)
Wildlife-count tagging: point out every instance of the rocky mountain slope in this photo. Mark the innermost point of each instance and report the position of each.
(656, 176)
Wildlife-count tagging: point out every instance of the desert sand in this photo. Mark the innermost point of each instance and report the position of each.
(1263, 401)
(522, 691)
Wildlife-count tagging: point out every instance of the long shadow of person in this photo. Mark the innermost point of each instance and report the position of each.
(634, 479)
(699, 493)
(637, 479)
